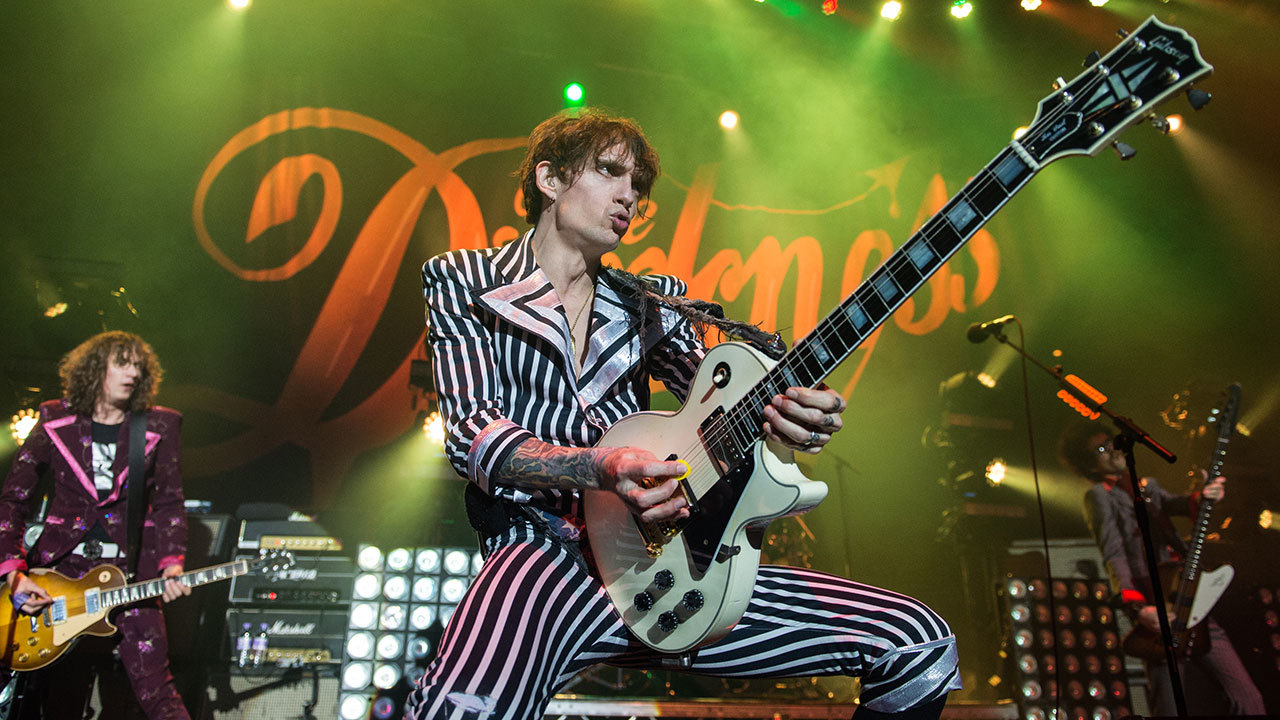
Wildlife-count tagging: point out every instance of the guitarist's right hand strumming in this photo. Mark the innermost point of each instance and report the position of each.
(28, 597)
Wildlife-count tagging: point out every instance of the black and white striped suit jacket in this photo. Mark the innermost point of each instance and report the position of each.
(503, 366)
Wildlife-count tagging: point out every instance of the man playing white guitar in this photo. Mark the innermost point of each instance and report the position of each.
(538, 351)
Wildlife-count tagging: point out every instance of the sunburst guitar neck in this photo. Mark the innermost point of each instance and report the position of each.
(81, 607)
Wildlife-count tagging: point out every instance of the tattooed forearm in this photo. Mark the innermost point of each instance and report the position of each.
(537, 464)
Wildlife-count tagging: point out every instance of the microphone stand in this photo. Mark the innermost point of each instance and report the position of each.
(1129, 435)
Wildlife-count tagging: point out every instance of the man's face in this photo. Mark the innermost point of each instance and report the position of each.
(123, 372)
(599, 204)
(1110, 461)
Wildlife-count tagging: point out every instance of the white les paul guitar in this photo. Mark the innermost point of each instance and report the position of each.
(681, 585)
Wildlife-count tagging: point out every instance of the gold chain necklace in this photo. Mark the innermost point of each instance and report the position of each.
(573, 326)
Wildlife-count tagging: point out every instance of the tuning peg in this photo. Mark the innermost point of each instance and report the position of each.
(1122, 33)
(1092, 59)
(1198, 98)
(1059, 83)
(1124, 151)
(1160, 122)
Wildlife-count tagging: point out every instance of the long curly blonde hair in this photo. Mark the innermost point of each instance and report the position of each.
(83, 369)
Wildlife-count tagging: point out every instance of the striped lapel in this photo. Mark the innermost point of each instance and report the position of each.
(524, 296)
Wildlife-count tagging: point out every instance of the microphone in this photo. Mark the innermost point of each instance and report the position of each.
(980, 331)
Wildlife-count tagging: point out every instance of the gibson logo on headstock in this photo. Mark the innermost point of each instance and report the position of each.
(1164, 44)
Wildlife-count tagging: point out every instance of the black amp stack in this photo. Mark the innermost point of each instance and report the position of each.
(296, 616)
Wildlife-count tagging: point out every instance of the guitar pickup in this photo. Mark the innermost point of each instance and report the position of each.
(690, 499)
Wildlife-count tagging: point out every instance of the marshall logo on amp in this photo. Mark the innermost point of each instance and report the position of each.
(282, 628)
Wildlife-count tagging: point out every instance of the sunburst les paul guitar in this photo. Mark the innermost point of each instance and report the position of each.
(679, 585)
(80, 607)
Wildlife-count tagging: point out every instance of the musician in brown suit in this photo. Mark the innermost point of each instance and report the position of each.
(1088, 450)
(82, 439)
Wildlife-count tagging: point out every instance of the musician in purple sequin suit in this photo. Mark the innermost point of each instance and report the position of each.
(82, 441)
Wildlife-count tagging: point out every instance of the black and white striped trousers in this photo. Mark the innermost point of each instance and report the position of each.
(534, 617)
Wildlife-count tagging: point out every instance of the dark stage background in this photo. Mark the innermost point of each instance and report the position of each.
(265, 185)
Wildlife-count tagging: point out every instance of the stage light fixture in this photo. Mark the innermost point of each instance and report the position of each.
(22, 423)
(728, 120)
(396, 588)
(456, 562)
(891, 10)
(356, 675)
(574, 93)
(366, 586)
(829, 7)
(55, 309)
(390, 647)
(1098, 3)
(424, 589)
(428, 560)
(386, 676)
(238, 4)
(1030, 5)
(995, 472)
(433, 428)
(393, 617)
(353, 707)
(985, 379)
(960, 9)
(363, 615)
(1175, 126)
(421, 617)
(399, 560)
(360, 645)
(369, 558)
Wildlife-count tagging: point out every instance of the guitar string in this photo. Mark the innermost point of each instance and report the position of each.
(735, 417)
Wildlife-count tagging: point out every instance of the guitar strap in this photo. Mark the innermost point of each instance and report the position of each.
(137, 485)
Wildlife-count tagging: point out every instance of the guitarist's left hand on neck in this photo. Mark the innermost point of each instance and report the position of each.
(804, 419)
(1215, 490)
(172, 588)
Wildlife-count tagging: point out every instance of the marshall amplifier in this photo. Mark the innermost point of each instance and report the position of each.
(313, 581)
(294, 637)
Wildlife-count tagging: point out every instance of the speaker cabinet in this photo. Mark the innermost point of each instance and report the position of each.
(293, 694)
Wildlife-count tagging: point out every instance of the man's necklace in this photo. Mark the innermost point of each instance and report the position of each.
(573, 326)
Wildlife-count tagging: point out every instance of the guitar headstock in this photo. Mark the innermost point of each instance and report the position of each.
(273, 561)
(1116, 92)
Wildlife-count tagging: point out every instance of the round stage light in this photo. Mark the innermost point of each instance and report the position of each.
(891, 10)
(960, 9)
(22, 423)
(238, 4)
(1023, 638)
(363, 615)
(419, 648)
(424, 588)
(456, 562)
(353, 707)
(428, 560)
(1016, 589)
(399, 560)
(477, 562)
(396, 587)
(386, 676)
(1031, 690)
(370, 558)
(360, 646)
(728, 120)
(393, 617)
(422, 617)
(366, 586)
(384, 708)
(453, 590)
(1020, 613)
(390, 647)
(356, 675)
(1030, 5)
(574, 93)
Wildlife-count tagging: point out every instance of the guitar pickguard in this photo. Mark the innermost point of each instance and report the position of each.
(705, 532)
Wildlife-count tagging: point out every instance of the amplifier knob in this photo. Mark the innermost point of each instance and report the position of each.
(668, 621)
(692, 600)
(664, 580)
(644, 601)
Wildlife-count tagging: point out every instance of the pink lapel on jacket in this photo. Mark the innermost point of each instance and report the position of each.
(72, 440)
(122, 458)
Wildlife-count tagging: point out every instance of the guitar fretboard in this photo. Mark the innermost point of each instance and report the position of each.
(154, 588)
(836, 337)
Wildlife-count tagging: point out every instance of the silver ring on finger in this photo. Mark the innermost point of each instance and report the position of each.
(813, 439)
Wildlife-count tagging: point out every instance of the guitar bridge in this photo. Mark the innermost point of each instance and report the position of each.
(657, 534)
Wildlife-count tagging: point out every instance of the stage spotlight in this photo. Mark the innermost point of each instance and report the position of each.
(363, 615)
(428, 560)
(386, 676)
(456, 562)
(392, 618)
(1097, 3)
(22, 423)
(396, 588)
(55, 309)
(728, 120)
(1174, 124)
(453, 590)
(390, 647)
(995, 472)
(433, 428)
(985, 379)
(238, 4)
(1030, 5)
(360, 646)
(960, 9)
(366, 586)
(424, 589)
(573, 93)
(891, 10)
(422, 617)
(369, 558)
(353, 707)
(1264, 520)
(399, 560)
(356, 675)
(829, 7)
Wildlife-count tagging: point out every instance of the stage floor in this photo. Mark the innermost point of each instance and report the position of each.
(568, 706)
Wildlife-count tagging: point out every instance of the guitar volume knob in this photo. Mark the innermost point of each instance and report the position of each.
(643, 601)
(668, 621)
(692, 600)
(664, 580)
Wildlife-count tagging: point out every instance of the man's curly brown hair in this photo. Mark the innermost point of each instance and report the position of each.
(84, 368)
(569, 142)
